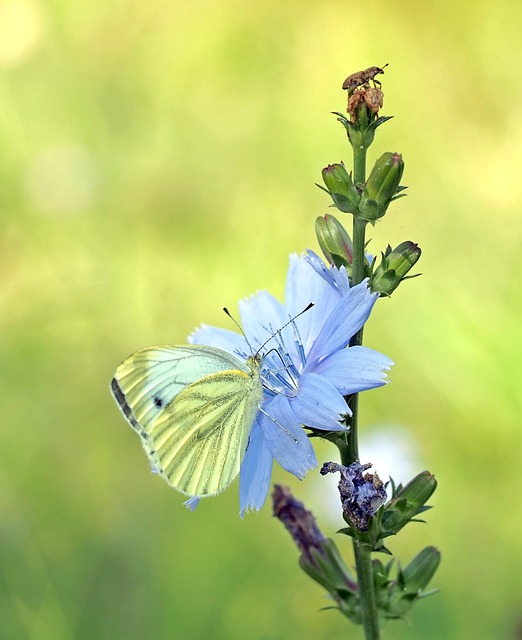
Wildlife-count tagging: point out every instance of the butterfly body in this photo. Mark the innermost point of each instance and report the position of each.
(193, 407)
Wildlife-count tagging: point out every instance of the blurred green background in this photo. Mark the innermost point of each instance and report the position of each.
(157, 161)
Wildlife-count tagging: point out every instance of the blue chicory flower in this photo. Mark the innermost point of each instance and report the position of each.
(305, 375)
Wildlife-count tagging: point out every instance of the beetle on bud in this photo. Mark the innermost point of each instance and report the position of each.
(360, 78)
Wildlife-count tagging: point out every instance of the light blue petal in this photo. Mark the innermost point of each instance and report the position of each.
(286, 439)
(192, 503)
(304, 285)
(355, 369)
(256, 471)
(221, 338)
(261, 316)
(318, 403)
(319, 267)
(336, 278)
(345, 320)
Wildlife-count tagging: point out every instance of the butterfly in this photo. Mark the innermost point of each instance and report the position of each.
(194, 407)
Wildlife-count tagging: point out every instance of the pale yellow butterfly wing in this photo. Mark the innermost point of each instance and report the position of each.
(162, 390)
(149, 379)
(201, 437)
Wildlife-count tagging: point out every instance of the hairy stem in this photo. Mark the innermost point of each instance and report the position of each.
(350, 449)
(363, 564)
(359, 241)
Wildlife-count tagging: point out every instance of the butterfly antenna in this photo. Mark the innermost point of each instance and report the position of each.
(239, 327)
(307, 308)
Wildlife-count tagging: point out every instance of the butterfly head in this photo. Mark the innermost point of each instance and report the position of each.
(255, 362)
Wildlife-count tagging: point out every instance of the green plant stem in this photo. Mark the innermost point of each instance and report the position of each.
(363, 564)
(350, 449)
(359, 226)
(359, 241)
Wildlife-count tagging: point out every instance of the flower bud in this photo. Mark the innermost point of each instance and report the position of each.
(408, 501)
(421, 570)
(411, 582)
(394, 267)
(381, 187)
(340, 186)
(334, 241)
(319, 558)
(418, 490)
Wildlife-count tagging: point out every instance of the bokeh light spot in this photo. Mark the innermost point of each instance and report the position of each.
(21, 29)
(62, 179)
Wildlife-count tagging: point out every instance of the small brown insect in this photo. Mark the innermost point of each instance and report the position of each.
(363, 77)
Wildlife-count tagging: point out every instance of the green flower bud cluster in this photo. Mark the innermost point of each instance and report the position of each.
(321, 560)
(370, 201)
(394, 596)
(337, 248)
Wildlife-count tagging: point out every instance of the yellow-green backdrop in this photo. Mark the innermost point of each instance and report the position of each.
(157, 161)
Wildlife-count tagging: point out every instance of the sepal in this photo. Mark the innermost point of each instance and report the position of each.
(407, 502)
(394, 266)
(328, 569)
(361, 134)
(411, 583)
